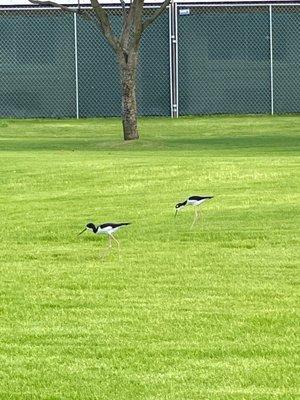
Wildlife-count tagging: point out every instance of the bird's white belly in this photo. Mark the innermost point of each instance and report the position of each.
(107, 230)
(195, 202)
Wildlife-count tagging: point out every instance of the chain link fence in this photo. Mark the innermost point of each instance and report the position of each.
(239, 60)
(286, 59)
(99, 83)
(226, 59)
(37, 70)
(224, 62)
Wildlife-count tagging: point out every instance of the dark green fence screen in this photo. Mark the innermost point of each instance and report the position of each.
(224, 63)
(99, 87)
(286, 50)
(38, 74)
(227, 59)
(37, 70)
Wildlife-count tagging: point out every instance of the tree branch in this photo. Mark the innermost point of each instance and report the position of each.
(126, 30)
(156, 14)
(52, 3)
(138, 6)
(123, 4)
(105, 25)
(125, 20)
(82, 13)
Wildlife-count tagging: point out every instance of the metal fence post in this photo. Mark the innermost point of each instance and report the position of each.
(176, 60)
(170, 60)
(271, 59)
(173, 59)
(76, 65)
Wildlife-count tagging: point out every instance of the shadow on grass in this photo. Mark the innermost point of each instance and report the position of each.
(257, 143)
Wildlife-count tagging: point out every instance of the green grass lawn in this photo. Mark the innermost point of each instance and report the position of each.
(180, 314)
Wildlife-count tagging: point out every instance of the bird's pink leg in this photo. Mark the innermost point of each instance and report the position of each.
(196, 217)
(115, 240)
(108, 248)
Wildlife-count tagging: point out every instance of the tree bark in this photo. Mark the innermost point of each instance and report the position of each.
(129, 105)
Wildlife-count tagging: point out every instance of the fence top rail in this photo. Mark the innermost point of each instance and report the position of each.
(73, 8)
(236, 3)
(117, 3)
(242, 4)
(179, 3)
(73, 3)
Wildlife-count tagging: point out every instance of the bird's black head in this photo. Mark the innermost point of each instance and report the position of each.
(90, 226)
(179, 206)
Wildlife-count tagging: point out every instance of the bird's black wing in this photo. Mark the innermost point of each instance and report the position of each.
(198, 198)
(113, 224)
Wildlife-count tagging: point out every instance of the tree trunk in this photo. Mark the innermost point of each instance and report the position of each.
(129, 106)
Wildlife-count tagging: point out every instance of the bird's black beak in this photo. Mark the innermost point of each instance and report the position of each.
(82, 231)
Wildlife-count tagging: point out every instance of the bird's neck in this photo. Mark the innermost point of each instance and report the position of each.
(95, 229)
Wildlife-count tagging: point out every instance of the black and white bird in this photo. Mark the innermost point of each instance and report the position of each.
(192, 201)
(109, 228)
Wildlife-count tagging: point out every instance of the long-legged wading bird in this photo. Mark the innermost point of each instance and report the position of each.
(192, 201)
(109, 228)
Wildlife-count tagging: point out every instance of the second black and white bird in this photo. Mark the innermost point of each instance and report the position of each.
(109, 228)
(192, 201)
